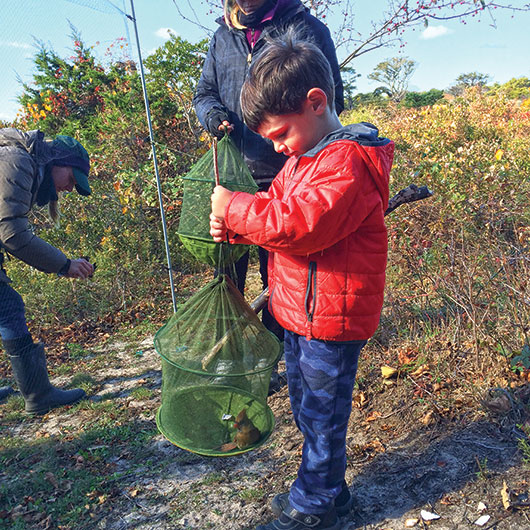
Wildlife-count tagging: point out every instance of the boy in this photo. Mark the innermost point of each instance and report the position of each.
(322, 220)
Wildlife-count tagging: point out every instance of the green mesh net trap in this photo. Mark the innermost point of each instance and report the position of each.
(217, 359)
(194, 224)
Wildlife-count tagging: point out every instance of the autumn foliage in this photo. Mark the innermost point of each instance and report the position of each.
(458, 268)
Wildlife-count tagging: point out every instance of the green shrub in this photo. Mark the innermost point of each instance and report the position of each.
(458, 266)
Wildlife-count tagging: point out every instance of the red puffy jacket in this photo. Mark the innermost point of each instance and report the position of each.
(323, 222)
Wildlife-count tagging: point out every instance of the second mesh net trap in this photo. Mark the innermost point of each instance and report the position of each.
(217, 359)
(194, 224)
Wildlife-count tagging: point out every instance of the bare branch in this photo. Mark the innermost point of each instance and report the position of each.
(401, 16)
(196, 19)
(397, 16)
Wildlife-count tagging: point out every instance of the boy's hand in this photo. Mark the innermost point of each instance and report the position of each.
(217, 229)
(220, 199)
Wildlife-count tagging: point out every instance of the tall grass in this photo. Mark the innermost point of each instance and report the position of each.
(459, 265)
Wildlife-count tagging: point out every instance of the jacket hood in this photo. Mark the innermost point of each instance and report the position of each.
(376, 152)
(32, 142)
(63, 151)
(287, 9)
(43, 151)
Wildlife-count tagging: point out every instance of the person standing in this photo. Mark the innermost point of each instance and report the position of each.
(33, 170)
(323, 222)
(239, 40)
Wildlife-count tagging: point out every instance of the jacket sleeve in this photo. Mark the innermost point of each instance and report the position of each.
(275, 190)
(322, 210)
(16, 236)
(206, 100)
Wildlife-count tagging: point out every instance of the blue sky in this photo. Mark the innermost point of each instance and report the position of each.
(443, 51)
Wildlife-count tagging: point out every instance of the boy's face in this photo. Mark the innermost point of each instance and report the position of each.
(293, 134)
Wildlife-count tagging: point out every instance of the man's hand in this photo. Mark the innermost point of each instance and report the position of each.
(80, 268)
(217, 229)
(220, 199)
(226, 126)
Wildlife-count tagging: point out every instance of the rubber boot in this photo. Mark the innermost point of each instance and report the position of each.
(31, 375)
(5, 392)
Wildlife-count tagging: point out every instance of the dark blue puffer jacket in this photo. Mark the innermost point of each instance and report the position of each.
(226, 66)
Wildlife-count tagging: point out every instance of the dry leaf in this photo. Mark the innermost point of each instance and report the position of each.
(376, 446)
(482, 520)
(505, 494)
(42, 434)
(448, 500)
(428, 418)
(374, 416)
(407, 357)
(47, 523)
(360, 399)
(429, 516)
(498, 404)
(423, 369)
(134, 492)
(387, 372)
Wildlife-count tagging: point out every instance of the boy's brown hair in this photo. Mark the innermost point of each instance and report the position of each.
(281, 77)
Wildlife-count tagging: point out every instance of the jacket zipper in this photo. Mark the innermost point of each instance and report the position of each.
(311, 291)
(252, 44)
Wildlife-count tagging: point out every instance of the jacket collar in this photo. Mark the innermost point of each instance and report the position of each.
(363, 133)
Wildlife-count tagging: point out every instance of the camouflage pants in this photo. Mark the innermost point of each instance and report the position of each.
(321, 375)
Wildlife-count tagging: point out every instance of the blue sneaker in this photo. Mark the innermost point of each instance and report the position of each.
(343, 503)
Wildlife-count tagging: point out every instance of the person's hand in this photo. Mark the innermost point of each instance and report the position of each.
(220, 199)
(217, 229)
(226, 126)
(80, 268)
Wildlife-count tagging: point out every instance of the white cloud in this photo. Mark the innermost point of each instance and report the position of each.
(163, 33)
(433, 32)
(15, 44)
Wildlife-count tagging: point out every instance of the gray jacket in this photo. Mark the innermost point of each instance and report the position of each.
(23, 157)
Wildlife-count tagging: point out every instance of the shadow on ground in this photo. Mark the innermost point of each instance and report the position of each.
(422, 468)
